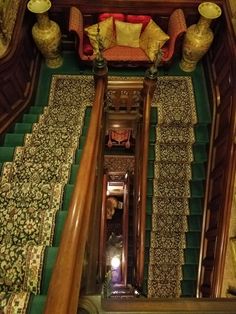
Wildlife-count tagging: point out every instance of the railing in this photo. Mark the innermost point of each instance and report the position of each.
(222, 163)
(167, 306)
(103, 228)
(204, 219)
(127, 96)
(125, 229)
(124, 179)
(142, 160)
(64, 289)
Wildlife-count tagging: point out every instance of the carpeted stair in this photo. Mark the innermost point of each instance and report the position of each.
(175, 190)
(39, 161)
(171, 164)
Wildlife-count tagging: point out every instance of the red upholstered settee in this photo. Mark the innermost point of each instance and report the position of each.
(124, 54)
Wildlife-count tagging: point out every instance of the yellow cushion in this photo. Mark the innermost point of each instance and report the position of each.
(152, 39)
(127, 34)
(106, 34)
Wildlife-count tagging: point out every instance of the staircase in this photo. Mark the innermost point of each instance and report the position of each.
(39, 160)
(22, 145)
(177, 158)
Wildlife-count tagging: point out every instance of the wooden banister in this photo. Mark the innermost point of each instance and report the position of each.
(102, 256)
(222, 161)
(207, 186)
(149, 88)
(125, 231)
(64, 287)
(168, 306)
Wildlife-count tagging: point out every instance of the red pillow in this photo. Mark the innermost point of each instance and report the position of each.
(144, 19)
(116, 16)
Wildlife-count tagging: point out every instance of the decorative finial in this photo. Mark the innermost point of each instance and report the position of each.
(153, 70)
(99, 56)
(99, 63)
(158, 57)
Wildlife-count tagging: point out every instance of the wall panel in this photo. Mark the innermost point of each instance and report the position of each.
(222, 167)
(18, 69)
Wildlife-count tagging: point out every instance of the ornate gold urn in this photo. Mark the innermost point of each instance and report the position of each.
(199, 37)
(46, 33)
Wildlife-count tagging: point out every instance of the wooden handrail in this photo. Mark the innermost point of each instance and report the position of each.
(125, 228)
(221, 171)
(224, 229)
(161, 306)
(102, 256)
(204, 218)
(64, 287)
(149, 88)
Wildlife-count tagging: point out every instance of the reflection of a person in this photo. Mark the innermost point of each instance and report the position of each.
(112, 203)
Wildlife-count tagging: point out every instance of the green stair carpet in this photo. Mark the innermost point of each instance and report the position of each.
(198, 151)
(175, 189)
(39, 161)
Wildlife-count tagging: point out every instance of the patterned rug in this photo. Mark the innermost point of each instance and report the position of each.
(31, 189)
(174, 99)
(31, 186)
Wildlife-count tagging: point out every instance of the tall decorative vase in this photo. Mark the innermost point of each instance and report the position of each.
(199, 37)
(46, 33)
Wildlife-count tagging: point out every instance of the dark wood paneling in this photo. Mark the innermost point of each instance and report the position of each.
(159, 9)
(18, 70)
(222, 168)
(224, 116)
(219, 153)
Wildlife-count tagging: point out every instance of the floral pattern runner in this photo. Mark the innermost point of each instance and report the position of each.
(31, 189)
(172, 172)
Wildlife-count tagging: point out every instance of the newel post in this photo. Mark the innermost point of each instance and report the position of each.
(99, 63)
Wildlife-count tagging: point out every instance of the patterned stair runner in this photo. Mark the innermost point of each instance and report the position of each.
(32, 185)
(171, 190)
(31, 191)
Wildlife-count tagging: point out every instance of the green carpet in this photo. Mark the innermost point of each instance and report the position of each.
(33, 122)
(177, 157)
(32, 186)
(174, 99)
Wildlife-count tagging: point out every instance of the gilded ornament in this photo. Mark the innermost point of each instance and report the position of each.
(46, 33)
(199, 37)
